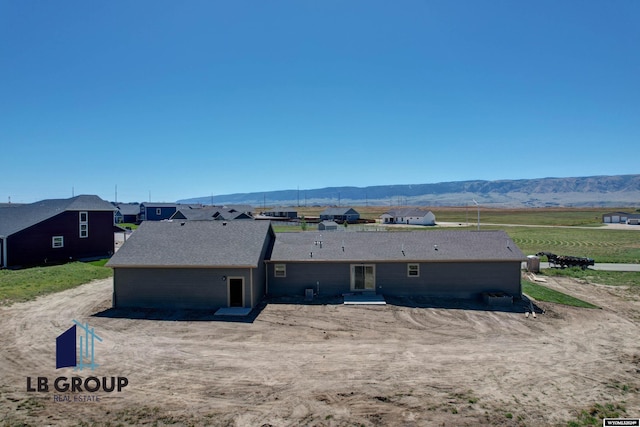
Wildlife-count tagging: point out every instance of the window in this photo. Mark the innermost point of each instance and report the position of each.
(280, 270)
(84, 225)
(363, 277)
(57, 242)
(413, 270)
(158, 211)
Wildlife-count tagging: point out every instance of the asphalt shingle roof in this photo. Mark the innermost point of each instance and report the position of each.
(194, 244)
(18, 218)
(408, 212)
(129, 209)
(338, 211)
(396, 246)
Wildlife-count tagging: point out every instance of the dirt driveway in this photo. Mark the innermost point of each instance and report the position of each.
(330, 364)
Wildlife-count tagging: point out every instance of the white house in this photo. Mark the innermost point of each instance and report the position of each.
(410, 216)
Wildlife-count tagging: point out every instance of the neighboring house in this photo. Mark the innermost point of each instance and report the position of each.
(615, 217)
(281, 213)
(633, 219)
(192, 265)
(247, 209)
(328, 225)
(340, 215)
(56, 230)
(160, 211)
(454, 264)
(409, 216)
(128, 212)
(209, 213)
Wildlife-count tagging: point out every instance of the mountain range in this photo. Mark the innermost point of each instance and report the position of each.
(614, 190)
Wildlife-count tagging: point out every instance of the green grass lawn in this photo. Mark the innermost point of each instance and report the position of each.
(128, 225)
(542, 293)
(611, 278)
(27, 284)
(602, 245)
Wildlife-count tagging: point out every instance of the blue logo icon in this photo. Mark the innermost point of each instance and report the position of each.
(66, 345)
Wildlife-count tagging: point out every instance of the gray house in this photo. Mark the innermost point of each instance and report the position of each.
(192, 265)
(457, 264)
(615, 218)
(340, 215)
(281, 213)
(210, 213)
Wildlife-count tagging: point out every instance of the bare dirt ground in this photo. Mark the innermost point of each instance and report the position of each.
(408, 363)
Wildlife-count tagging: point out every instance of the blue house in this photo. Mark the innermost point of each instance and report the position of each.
(157, 211)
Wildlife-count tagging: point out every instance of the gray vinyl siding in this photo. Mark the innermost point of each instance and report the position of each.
(454, 280)
(176, 288)
(449, 279)
(334, 279)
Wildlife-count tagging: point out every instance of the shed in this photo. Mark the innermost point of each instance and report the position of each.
(328, 225)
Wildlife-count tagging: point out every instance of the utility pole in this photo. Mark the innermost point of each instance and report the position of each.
(474, 201)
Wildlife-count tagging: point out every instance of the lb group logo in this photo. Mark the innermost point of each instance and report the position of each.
(69, 354)
(76, 348)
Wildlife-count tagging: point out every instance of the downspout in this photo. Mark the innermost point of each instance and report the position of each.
(251, 280)
(266, 277)
(4, 251)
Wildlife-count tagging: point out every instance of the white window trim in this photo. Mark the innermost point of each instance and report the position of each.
(83, 234)
(280, 268)
(53, 242)
(158, 211)
(416, 269)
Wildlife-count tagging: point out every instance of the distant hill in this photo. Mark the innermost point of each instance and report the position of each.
(617, 190)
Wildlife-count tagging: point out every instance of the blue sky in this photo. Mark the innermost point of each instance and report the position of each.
(185, 99)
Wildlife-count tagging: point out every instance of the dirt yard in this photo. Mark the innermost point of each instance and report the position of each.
(409, 363)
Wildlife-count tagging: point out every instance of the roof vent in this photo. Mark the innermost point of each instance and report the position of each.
(182, 224)
(224, 223)
(435, 247)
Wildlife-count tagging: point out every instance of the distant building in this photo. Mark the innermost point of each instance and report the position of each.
(412, 216)
(615, 217)
(328, 225)
(281, 213)
(127, 212)
(211, 213)
(156, 211)
(340, 215)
